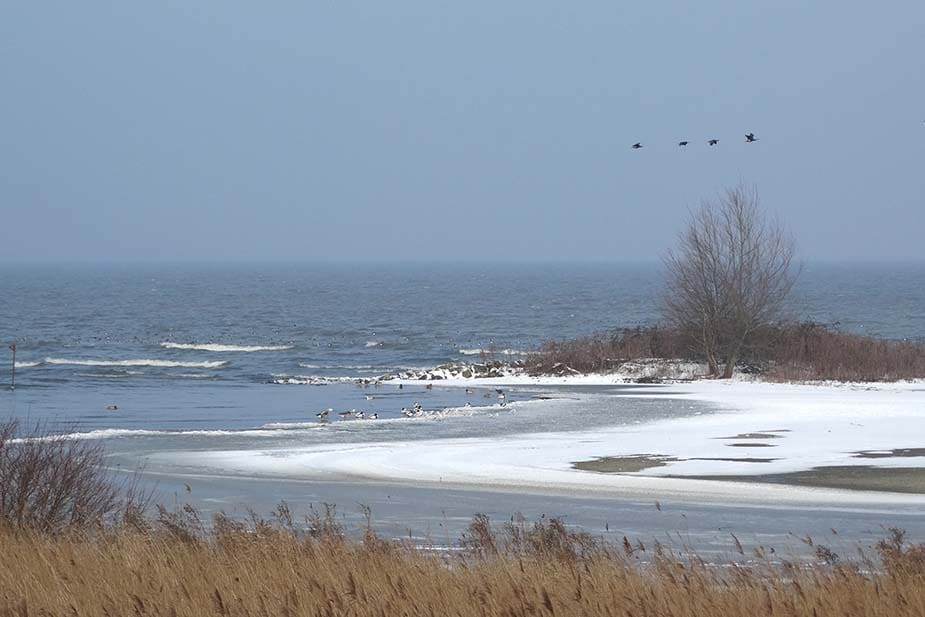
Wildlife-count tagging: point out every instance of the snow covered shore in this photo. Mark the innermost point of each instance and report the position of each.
(757, 429)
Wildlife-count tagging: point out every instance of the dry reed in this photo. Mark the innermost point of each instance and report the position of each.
(272, 568)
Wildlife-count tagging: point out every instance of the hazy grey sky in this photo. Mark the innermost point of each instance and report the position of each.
(471, 130)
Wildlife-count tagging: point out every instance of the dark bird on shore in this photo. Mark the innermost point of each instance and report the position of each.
(713, 142)
(637, 146)
(750, 137)
(682, 143)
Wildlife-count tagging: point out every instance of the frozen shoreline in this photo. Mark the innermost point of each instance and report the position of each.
(809, 426)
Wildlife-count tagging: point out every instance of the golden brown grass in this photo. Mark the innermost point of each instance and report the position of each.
(270, 569)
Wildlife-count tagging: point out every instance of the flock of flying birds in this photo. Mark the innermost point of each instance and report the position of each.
(749, 138)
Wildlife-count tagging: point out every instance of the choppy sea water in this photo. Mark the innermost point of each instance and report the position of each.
(188, 356)
(144, 325)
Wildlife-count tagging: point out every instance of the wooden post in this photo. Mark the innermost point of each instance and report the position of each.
(13, 368)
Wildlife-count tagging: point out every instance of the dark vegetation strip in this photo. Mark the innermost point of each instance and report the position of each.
(804, 351)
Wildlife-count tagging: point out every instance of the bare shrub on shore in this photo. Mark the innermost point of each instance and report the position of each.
(606, 351)
(265, 567)
(54, 484)
(784, 352)
(810, 351)
(729, 277)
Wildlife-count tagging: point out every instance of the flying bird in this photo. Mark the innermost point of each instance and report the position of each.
(713, 142)
(681, 144)
(321, 415)
(750, 137)
(637, 146)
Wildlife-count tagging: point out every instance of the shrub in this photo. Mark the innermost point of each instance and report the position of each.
(784, 351)
(53, 484)
(603, 352)
(814, 351)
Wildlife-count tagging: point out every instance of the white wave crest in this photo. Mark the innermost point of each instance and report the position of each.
(141, 362)
(28, 364)
(497, 352)
(374, 343)
(310, 380)
(217, 347)
(349, 367)
(111, 375)
(291, 425)
(111, 433)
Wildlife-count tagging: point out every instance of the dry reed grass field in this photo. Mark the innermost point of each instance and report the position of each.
(174, 566)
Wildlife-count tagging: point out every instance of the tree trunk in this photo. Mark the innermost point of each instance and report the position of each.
(712, 363)
(729, 368)
(730, 364)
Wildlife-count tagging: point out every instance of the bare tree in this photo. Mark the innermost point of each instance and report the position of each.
(729, 277)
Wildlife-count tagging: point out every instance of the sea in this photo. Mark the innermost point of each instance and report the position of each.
(161, 362)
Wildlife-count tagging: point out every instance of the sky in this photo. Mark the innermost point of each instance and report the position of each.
(343, 131)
